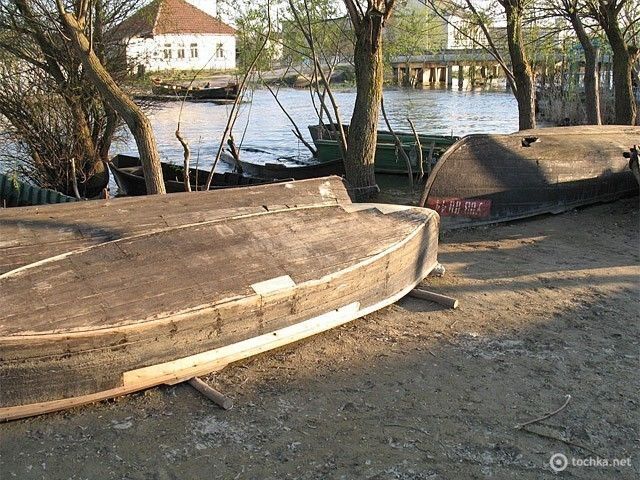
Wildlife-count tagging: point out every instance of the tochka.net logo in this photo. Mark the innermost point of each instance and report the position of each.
(560, 462)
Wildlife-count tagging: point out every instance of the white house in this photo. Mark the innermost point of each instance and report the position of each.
(180, 35)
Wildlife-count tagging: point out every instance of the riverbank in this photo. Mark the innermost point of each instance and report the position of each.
(548, 308)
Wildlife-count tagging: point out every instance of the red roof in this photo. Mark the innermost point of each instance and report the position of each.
(171, 16)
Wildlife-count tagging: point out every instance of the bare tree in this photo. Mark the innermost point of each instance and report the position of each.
(608, 14)
(74, 24)
(572, 11)
(53, 115)
(368, 19)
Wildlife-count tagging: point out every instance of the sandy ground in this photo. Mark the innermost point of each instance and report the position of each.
(549, 308)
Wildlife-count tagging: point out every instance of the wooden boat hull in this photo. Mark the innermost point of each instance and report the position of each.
(387, 159)
(277, 277)
(128, 173)
(32, 234)
(14, 193)
(494, 178)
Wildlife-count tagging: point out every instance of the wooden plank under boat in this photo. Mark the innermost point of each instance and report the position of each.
(493, 178)
(128, 173)
(16, 193)
(117, 317)
(31, 234)
(387, 159)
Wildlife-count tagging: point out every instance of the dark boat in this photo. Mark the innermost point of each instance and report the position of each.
(227, 92)
(15, 193)
(298, 171)
(494, 178)
(127, 171)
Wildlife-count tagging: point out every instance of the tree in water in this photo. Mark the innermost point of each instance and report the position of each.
(368, 19)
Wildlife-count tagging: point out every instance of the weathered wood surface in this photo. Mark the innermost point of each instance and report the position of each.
(489, 178)
(132, 312)
(29, 234)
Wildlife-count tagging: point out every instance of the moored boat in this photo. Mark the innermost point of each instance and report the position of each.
(101, 328)
(128, 173)
(297, 170)
(226, 92)
(387, 160)
(493, 178)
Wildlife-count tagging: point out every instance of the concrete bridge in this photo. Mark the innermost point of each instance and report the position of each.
(432, 68)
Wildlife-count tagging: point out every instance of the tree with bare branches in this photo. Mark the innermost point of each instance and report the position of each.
(368, 19)
(609, 13)
(75, 23)
(52, 116)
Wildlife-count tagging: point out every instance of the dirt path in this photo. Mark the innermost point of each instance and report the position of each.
(549, 307)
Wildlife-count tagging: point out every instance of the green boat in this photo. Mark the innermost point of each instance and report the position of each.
(14, 193)
(388, 159)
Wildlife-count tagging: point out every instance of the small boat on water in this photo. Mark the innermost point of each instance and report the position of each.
(387, 160)
(494, 178)
(294, 169)
(206, 92)
(16, 193)
(128, 173)
(101, 329)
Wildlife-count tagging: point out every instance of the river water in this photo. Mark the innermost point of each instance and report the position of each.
(262, 125)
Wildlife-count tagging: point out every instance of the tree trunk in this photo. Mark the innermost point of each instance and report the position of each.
(362, 138)
(522, 72)
(591, 74)
(135, 119)
(624, 101)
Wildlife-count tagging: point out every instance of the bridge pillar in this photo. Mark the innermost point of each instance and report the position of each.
(432, 75)
(449, 76)
(460, 76)
(443, 75)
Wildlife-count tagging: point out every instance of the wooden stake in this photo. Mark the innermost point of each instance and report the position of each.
(449, 302)
(215, 396)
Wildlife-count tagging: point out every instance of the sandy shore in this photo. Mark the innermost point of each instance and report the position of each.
(549, 308)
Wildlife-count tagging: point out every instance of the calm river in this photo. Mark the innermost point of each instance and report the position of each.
(262, 125)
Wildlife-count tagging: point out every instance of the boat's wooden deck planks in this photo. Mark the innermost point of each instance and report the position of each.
(29, 234)
(133, 279)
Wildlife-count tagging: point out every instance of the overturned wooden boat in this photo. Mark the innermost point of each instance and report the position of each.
(128, 173)
(494, 178)
(84, 324)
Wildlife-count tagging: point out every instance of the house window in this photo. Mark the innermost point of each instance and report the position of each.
(180, 52)
(167, 51)
(220, 50)
(194, 50)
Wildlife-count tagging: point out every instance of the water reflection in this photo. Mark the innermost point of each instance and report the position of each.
(262, 125)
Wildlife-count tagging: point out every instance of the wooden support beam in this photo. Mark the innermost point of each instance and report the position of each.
(212, 394)
(444, 300)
